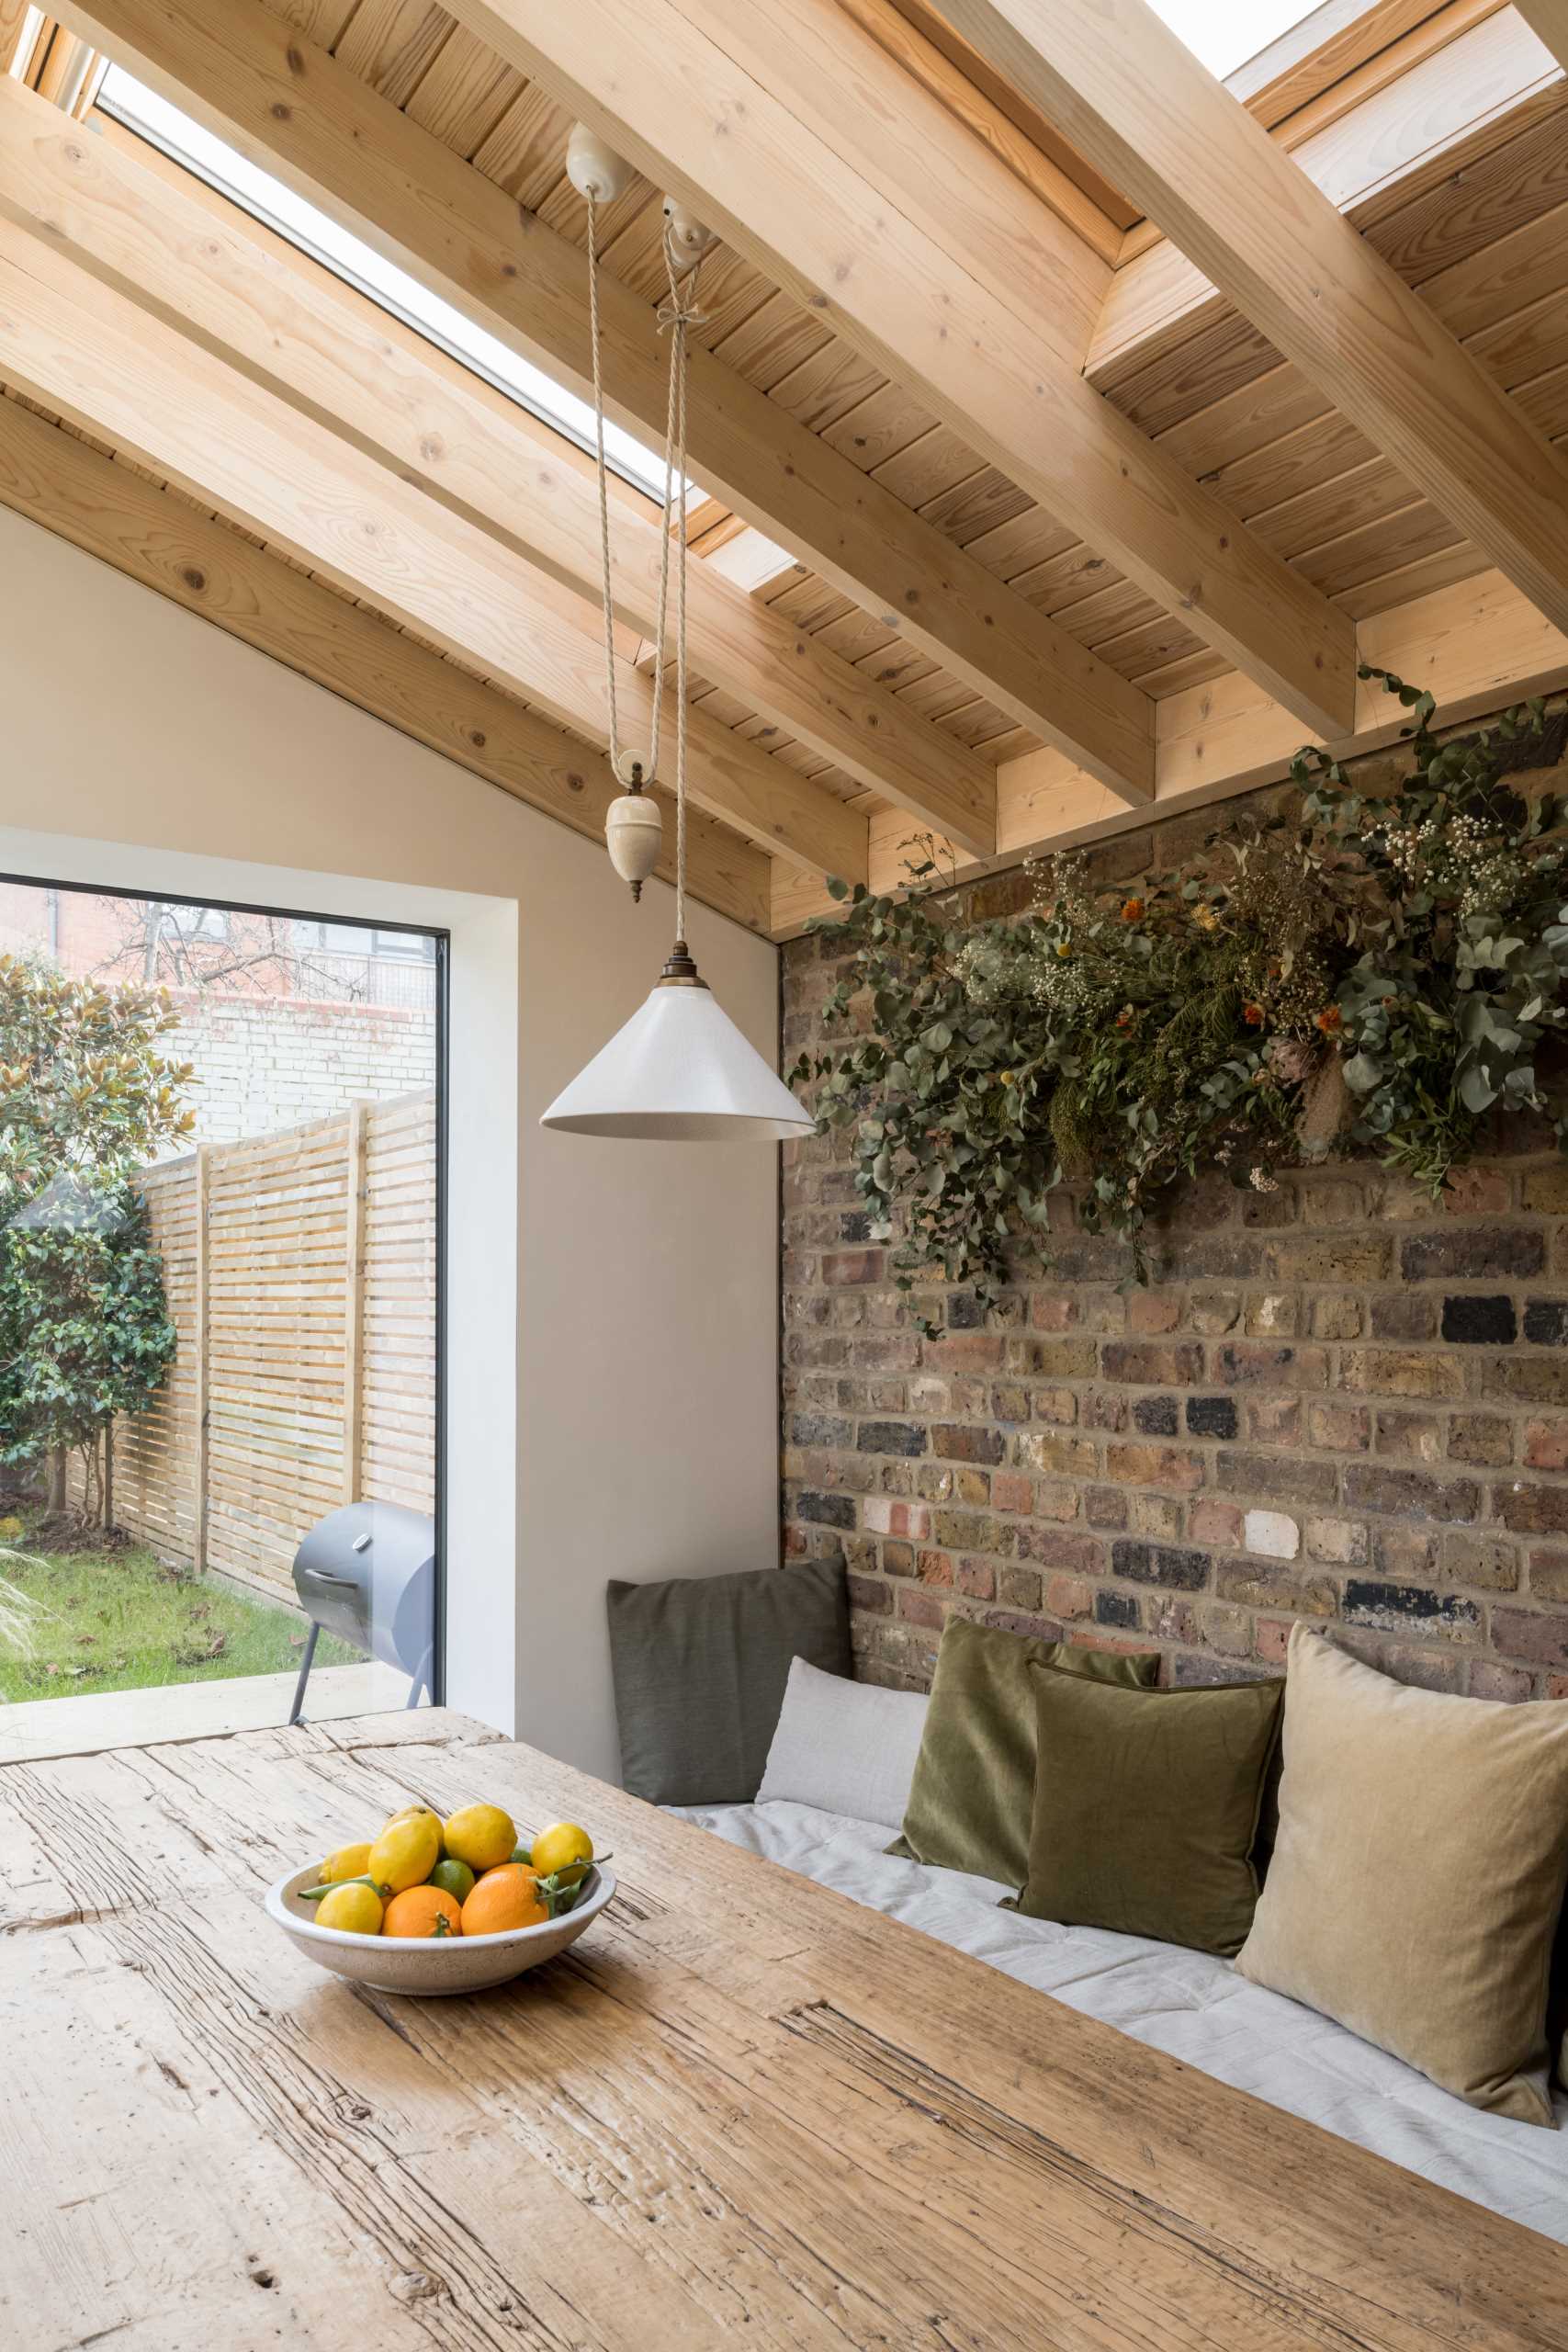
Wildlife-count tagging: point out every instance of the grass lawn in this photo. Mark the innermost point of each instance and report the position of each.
(117, 1621)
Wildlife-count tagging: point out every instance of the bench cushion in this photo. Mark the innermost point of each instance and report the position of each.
(1419, 1873)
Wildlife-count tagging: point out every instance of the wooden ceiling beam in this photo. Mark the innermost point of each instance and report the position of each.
(1477, 645)
(85, 349)
(16, 21)
(1451, 100)
(115, 513)
(194, 259)
(800, 140)
(294, 110)
(1549, 19)
(1130, 92)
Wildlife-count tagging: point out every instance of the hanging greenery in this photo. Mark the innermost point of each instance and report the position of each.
(1375, 971)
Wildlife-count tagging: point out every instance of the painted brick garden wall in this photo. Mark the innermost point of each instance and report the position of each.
(263, 1063)
(1338, 1401)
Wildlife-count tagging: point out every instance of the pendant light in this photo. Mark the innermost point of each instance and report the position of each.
(680, 1071)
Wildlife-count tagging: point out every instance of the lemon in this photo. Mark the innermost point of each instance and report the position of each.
(481, 1836)
(349, 1862)
(406, 1852)
(565, 1845)
(356, 1909)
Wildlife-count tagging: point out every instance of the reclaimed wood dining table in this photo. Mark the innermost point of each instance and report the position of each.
(743, 2110)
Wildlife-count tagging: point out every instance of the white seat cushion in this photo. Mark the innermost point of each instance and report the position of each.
(846, 1748)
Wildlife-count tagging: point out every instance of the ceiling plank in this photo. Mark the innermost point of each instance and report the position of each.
(197, 261)
(1477, 645)
(800, 140)
(1127, 90)
(86, 350)
(1549, 19)
(296, 111)
(115, 513)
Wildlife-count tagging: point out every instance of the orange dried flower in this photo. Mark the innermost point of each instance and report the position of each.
(1330, 1020)
(1132, 910)
(1253, 1015)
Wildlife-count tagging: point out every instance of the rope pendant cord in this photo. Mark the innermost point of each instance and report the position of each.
(602, 470)
(682, 315)
(678, 315)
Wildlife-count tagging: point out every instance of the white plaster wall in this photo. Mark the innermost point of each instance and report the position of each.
(612, 1307)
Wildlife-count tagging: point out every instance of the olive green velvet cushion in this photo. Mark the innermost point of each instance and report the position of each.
(972, 1794)
(1146, 1807)
(1418, 1878)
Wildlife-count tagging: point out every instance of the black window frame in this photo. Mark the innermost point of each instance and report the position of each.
(443, 943)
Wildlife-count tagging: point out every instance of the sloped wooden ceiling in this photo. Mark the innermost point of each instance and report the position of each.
(1439, 135)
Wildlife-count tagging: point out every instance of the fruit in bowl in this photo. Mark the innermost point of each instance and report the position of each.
(444, 1906)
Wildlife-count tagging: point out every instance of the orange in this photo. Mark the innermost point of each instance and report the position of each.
(423, 1911)
(506, 1897)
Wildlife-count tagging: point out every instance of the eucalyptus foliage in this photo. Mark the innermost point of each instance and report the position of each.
(1377, 971)
(1453, 902)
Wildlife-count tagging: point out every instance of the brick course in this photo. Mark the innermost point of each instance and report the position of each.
(1388, 1373)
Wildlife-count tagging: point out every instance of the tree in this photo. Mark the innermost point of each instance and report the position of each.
(88, 1096)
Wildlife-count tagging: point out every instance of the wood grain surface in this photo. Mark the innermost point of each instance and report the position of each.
(742, 2109)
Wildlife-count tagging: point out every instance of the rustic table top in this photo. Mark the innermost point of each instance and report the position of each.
(741, 2103)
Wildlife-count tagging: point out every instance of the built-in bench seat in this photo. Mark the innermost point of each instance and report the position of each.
(1189, 2004)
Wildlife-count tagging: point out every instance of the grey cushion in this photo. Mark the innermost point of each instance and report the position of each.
(700, 1665)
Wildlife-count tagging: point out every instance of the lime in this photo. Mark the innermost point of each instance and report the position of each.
(454, 1878)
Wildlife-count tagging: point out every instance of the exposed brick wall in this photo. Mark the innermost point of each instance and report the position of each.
(1338, 1401)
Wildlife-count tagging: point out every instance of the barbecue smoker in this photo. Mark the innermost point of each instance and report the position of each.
(367, 1574)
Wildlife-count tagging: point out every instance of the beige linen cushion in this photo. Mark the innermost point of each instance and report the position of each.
(1418, 1874)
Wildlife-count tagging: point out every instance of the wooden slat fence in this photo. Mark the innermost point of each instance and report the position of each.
(301, 1276)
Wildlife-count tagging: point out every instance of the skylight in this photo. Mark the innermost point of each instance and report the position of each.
(349, 258)
(1227, 33)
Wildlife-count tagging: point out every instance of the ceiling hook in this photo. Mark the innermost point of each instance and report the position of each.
(689, 237)
(595, 169)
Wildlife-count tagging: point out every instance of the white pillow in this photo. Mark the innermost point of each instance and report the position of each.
(844, 1747)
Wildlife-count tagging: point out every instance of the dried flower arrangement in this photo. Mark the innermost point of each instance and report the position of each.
(1376, 972)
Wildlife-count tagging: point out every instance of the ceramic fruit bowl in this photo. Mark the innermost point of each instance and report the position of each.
(426, 1965)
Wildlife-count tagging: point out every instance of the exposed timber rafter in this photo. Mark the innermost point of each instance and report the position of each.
(118, 515)
(82, 348)
(320, 345)
(294, 110)
(1404, 134)
(801, 138)
(1477, 646)
(1130, 93)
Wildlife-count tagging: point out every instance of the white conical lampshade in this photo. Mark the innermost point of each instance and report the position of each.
(679, 1072)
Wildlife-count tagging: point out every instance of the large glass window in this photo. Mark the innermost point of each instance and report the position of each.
(219, 1194)
(1227, 33)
